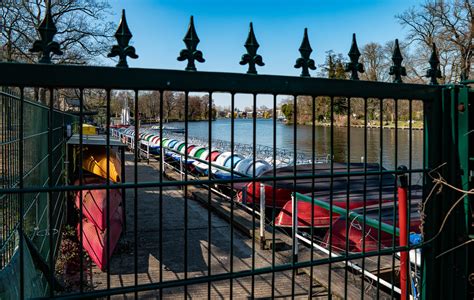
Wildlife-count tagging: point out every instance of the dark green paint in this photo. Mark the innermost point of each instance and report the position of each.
(445, 277)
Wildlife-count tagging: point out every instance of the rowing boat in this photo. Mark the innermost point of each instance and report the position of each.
(358, 237)
(310, 214)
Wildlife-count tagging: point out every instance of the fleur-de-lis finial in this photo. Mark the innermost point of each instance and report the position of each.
(46, 45)
(434, 72)
(304, 62)
(354, 66)
(251, 57)
(397, 70)
(191, 53)
(122, 49)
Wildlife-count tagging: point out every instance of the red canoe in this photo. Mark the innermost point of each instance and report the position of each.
(338, 241)
(94, 202)
(321, 216)
(95, 241)
(284, 188)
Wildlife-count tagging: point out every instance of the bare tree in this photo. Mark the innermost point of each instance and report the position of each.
(376, 64)
(171, 102)
(450, 25)
(84, 34)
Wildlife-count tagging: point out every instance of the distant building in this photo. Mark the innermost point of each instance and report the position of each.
(279, 114)
(125, 114)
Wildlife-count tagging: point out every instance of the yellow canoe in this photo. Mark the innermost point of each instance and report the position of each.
(95, 161)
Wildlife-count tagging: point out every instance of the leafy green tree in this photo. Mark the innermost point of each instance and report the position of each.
(334, 68)
(287, 110)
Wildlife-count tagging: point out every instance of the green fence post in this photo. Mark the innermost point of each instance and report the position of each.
(445, 271)
(466, 156)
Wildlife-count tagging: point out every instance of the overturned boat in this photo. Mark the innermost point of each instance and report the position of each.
(324, 178)
(380, 230)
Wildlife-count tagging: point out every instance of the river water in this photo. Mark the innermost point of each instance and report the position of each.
(243, 133)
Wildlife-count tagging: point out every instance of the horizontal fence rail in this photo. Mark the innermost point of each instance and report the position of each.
(173, 80)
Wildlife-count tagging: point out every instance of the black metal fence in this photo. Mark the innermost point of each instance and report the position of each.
(351, 253)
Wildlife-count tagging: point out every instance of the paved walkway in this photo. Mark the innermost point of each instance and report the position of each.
(122, 262)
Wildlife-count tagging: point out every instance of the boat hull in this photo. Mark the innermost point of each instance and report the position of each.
(95, 162)
(356, 231)
(94, 202)
(282, 195)
(284, 188)
(94, 240)
(313, 215)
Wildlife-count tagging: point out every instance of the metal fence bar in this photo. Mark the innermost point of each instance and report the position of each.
(162, 173)
(135, 202)
(273, 204)
(186, 207)
(21, 197)
(348, 190)
(262, 216)
(244, 192)
(209, 197)
(50, 184)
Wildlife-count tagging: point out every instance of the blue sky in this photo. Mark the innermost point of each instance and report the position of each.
(158, 28)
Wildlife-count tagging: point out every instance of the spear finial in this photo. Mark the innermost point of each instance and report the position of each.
(305, 62)
(397, 70)
(191, 40)
(354, 66)
(122, 49)
(47, 30)
(251, 57)
(434, 72)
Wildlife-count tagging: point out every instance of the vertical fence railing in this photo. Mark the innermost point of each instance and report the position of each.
(333, 174)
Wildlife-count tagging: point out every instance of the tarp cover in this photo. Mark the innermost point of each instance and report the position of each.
(339, 183)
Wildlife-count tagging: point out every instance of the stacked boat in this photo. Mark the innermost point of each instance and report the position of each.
(195, 157)
(102, 213)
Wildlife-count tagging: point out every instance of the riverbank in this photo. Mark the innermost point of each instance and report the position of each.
(416, 125)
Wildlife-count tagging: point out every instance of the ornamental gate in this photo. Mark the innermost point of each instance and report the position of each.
(241, 246)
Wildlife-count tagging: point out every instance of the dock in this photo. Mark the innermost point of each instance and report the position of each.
(122, 266)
